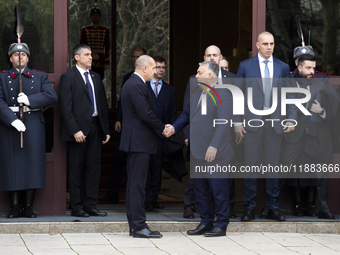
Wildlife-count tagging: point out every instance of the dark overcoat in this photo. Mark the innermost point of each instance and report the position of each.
(23, 168)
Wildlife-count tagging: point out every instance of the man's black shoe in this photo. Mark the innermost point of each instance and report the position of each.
(298, 211)
(248, 215)
(95, 212)
(232, 214)
(275, 215)
(264, 213)
(200, 230)
(188, 213)
(148, 207)
(311, 210)
(147, 233)
(110, 197)
(28, 212)
(157, 206)
(216, 231)
(15, 212)
(131, 232)
(79, 213)
(327, 216)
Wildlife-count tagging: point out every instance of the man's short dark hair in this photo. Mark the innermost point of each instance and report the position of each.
(224, 58)
(305, 57)
(78, 49)
(139, 49)
(159, 59)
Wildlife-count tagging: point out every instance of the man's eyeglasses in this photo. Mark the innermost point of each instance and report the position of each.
(161, 67)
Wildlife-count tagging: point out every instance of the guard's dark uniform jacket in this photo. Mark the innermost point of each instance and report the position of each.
(23, 168)
(318, 143)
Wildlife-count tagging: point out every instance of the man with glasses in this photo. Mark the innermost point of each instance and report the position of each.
(164, 97)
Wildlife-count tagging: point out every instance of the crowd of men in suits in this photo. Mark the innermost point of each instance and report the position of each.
(147, 116)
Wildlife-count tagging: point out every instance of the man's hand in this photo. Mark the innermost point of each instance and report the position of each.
(240, 133)
(22, 98)
(316, 107)
(169, 130)
(18, 125)
(79, 136)
(118, 126)
(210, 154)
(107, 139)
(186, 141)
(289, 126)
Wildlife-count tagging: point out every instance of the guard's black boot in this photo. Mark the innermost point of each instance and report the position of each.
(28, 206)
(14, 200)
(310, 206)
(298, 210)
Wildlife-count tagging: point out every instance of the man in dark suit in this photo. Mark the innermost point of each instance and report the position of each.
(164, 97)
(119, 157)
(139, 139)
(213, 54)
(84, 125)
(311, 143)
(209, 146)
(267, 138)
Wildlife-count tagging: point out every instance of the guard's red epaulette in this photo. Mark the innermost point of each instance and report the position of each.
(321, 73)
(3, 71)
(39, 71)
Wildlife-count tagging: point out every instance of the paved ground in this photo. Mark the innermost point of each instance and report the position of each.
(172, 243)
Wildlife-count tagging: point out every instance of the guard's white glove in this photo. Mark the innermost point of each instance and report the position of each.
(22, 98)
(18, 125)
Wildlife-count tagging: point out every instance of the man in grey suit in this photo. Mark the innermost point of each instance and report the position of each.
(139, 140)
(268, 137)
(209, 146)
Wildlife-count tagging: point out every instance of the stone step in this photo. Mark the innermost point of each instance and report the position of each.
(169, 219)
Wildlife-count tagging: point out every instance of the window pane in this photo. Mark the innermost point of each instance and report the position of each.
(144, 24)
(321, 18)
(78, 17)
(37, 19)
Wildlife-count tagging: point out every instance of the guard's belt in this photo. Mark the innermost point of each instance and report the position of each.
(25, 109)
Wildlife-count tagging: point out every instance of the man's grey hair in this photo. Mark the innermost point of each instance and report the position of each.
(212, 67)
(78, 49)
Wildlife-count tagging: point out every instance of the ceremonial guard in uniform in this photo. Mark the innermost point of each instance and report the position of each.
(311, 143)
(23, 169)
(98, 38)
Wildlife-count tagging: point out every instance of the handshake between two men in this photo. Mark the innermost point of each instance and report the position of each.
(168, 131)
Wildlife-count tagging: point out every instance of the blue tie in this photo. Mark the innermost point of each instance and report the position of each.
(89, 88)
(267, 85)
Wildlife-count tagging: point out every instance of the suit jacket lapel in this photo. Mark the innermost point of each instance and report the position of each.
(81, 81)
(276, 72)
(257, 72)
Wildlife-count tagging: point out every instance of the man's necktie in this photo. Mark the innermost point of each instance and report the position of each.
(89, 88)
(155, 89)
(267, 85)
